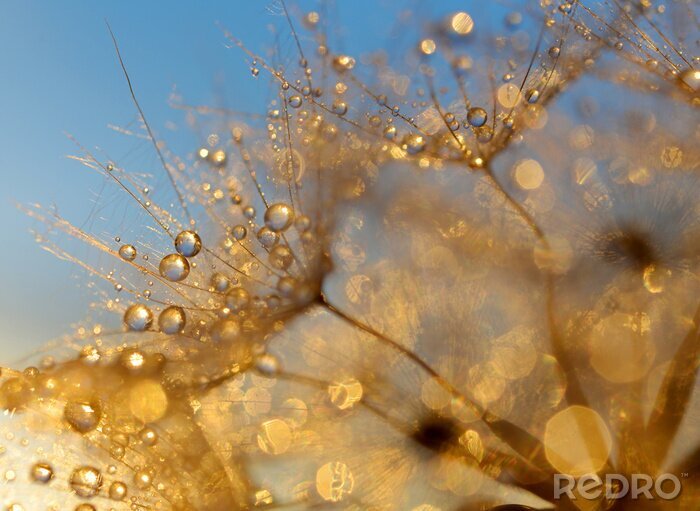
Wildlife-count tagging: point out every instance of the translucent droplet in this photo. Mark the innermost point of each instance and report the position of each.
(239, 232)
(41, 473)
(86, 481)
(225, 331)
(267, 237)
(281, 257)
(237, 299)
(138, 317)
(279, 217)
(343, 63)
(295, 101)
(390, 132)
(533, 96)
(172, 320)
(118, 490)
(127, 252)
(477, 117)
(691, 79)
(267, 364)
(174, 267)
(82, 416)
(148, 436)
(303, 223)
(220, 282)
(188, 243)
(339, 107)
(143, 479)
(85, 507)
(414, 143)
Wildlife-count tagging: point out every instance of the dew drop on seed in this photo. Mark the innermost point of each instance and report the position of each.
(295, 101)
(127, 252)
(118, 490)
(174, 267)
(281, 257)
(172, 320)
(339, 107)
(220, 282)
(188, 243)
(414, 143)
(237, 299)
(86, 481)
(239, 232)
(279, 217)
(267, 237)
(41, 473)
(138, 317)
(477, 117)
(82, 416)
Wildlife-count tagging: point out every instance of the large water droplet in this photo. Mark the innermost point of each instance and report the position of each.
(477, 117)
(279, 217)
(174, 267)
(138, 317)
(86, 481)
(172, 320)
(41, 473)
(127, 252)
(188, 243)
(83, 416)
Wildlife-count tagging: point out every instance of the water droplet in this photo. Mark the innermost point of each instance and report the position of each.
(220, 282)
(172, 320)
(239, 232)
(691, 79)
(188, 243)
(255, 71)
(237, 299)
(267, 237)
(279, 217)
(174, 267)
(142, 479)
(138, 317)
(86, 481)
(414, 143)
(477, 117)
(267, 364)
(339, 107)
(295, 101)
(343, 63)
(225, 331)
(281, 257)
(127, 252)
(533, 96)
(118, 490)
(148, 436)
(41, 473)
(83, 416)
(303, 223)
(390, 132)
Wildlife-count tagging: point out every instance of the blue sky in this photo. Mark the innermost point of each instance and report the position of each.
(60, 74)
